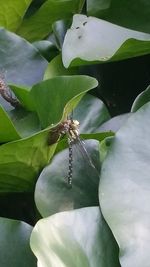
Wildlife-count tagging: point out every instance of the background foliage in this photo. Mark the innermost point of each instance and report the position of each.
(55, 58)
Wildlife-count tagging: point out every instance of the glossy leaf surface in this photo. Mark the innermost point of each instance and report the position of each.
(57, 97)
(92, 39)
(125, 200)
(52, 193)
(63, 240)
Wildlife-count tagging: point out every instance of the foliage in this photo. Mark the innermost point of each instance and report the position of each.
(56, 59)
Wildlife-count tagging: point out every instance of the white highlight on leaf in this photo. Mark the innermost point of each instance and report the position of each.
(92, 39)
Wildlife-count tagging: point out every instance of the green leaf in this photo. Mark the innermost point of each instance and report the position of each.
(91, 40)
(12, 12)
(22, 93)
(21, 161)
(47, 49)
(59, 29)
(63, 240)
(14, 244)
(56, 68)
(39, 25)
(52, 193)
(141, 100)
(123, 13)
(26, 123)
(59, 95)
(21, 60)
(91, 113)
(7, 129)
(124, 190)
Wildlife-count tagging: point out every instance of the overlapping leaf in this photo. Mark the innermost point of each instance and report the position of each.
(39, 25)
(12, 12)
(22, 62)
(14, 244)
(90, 39)
(125, 200)
(63, 240)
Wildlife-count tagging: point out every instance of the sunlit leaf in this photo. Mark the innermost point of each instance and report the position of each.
(124, 189)
(77, 238)
(58, 96)
(12, 12)
(90, 39)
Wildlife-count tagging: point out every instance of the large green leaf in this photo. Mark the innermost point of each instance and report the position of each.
(90, 39)
(11, 13)
(21, 161)
(39, 25)
(56, 68)
(14, 244)
(7, 129)
(141, 99)
(78, 238)
(21, 60)
(52, 193)
(125, 189)
(123, 13)
(59, 95)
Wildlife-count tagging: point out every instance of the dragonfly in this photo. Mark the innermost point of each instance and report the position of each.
(70, 128)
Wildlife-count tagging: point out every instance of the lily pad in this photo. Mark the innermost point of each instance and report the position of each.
(124, 190)
(91, 40)
(63, 240)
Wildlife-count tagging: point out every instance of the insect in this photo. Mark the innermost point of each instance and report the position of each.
(70, 128)
(6, 93)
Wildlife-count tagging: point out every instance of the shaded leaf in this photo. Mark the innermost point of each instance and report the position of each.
(141, 100)
(7, 129)
(91, 112)
(21, 60)
(52, 193)
(125, 177)
(26, 123)
(14, 244)
(47, 49)
(90, 39)
(21, 161)
(63, 240)
(123, 13)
